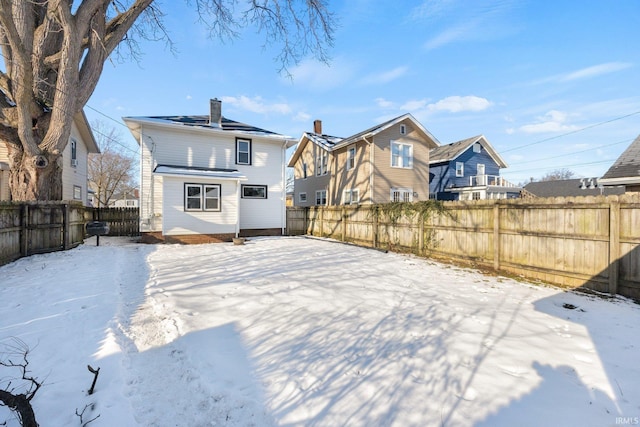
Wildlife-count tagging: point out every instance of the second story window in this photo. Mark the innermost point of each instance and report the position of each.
(304, 170)
(321, 163)
(401, 155)
(351, 158)
(459, 169)
(243, 151)
(74, 153)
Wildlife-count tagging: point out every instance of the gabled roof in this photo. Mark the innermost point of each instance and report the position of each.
(330, 143)
(449, 152)
(202, 122)
(570, 187)
(627, 165)
(81, 121)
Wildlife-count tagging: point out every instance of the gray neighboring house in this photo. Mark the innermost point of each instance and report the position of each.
(625, 172)
(571, 188)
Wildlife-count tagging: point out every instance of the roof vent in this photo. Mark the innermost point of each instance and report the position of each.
(215, 113)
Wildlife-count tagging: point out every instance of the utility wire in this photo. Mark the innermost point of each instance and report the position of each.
(571, 132)
(573, 152)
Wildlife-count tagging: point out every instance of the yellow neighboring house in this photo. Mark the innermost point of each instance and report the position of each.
(388, 162)
(74, 162)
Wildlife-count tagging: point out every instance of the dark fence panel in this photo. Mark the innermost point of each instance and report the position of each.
(122, 221)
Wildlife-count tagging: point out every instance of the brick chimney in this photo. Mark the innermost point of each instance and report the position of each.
(215, 113)
(317, 127)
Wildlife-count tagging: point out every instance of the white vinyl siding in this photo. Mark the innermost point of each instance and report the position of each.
(176, 220)
(74, 176)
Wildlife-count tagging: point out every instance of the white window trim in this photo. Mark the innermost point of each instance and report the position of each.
(77, 192)
(202, 198)
(401, 146)
(302, 199)
(322, 161)
(319, 192)
(351, 157)
(477, 147)
(238, 151)
(459, 169)
(404, 194)
(351, 197)
(403, 129)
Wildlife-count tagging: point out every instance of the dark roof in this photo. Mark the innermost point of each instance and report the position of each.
(203, 121)
(628, 164)
(448, 152)
(571, 187)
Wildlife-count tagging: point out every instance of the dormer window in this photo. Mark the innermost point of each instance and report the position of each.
(477, 147)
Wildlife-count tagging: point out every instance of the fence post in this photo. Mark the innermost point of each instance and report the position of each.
(343, 222)
(375, 230)
(66, 229)
(614, 245)
(496, 235)
(321, 220)
(421, 235)
(24, 232)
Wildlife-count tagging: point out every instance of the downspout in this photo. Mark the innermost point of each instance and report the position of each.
(371, 160)
(237, 208)
(283, 205)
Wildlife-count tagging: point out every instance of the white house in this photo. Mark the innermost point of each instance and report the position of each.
(74, 162)
(208, 178)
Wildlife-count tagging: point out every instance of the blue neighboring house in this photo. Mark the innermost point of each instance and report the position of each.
(468, 170)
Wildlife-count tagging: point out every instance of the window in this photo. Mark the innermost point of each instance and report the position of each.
(477, 147)
(304, 170)
(212, 197)
(401, 195)
(302, 197)
(74, 153)
(202, 197)
(254, 191)
(77, 192)
(321, 197)
(351, 158)
(130, 203)
(321, 163)
(459, 169)
(351, 197)
(403, 129)
(243, 151)
(401, 155)
(475, 195)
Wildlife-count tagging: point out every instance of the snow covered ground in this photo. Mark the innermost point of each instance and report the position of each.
(305, 332)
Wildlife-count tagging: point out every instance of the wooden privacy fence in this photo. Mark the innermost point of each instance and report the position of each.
(590, 242)
(122, 221)
(32, 228)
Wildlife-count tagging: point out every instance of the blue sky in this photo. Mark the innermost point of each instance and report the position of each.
(551, 84)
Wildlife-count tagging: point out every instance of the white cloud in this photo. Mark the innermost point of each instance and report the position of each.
(383, 103)
(552, 121)
(458, 33)
(319, 76)
(302, 117)
(256, 105)
(414, 105)
(457, 104)
(189, 98)
(385, 77)
(596, 70)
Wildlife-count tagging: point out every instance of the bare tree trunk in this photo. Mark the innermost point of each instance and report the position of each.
(34, 177)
